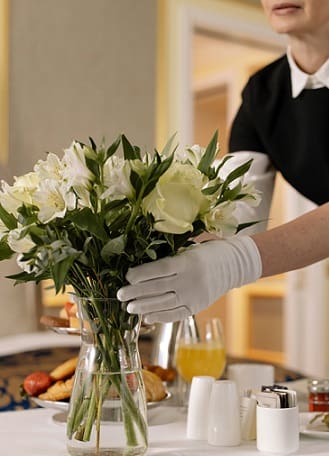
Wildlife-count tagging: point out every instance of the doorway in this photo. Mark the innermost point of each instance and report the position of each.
(221, 66)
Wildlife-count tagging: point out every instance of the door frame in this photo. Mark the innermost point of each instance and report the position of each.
(178, 20)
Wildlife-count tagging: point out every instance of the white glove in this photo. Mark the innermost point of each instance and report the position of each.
(173, 288)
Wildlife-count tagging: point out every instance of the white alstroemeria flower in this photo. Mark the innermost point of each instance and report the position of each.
(12, 197)
(28, 182)
(27, 266)
(8, 200)
(220, 220)
(141, 166)
(19, 243)
(117, 179)
(51, 168)
(191, 154)
(75, 171)
(53, 199)
(176, 199)
(3, 229)
(83, 194)
(252, 196)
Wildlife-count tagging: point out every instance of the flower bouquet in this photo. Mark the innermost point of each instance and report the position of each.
(84, 219)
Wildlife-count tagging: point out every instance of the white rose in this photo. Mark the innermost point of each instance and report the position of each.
(53, 199)
(19, 243)
(176, 200)
(220, 220)
(117, 179)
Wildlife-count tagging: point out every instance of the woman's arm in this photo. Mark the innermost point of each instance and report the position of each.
(172, 288)
(295, 244)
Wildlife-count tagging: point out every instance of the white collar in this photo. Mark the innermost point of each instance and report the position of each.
(301, 80)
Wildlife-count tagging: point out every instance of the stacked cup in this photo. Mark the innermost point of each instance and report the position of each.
(214, 412)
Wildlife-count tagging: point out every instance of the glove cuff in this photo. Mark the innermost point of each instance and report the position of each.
(246, 260)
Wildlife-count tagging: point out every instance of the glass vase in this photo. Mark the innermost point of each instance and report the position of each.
(107, 411)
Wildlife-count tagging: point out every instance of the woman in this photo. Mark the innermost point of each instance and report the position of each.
(283, 125)
(283, 119)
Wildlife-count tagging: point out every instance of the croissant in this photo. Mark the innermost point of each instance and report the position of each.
(154, 388)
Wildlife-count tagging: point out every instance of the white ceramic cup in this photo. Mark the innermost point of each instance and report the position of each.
(250, 376)
(197, 411)
(224, 414)
(277, 429)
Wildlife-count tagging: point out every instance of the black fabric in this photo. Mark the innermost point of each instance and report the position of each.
(293, 132)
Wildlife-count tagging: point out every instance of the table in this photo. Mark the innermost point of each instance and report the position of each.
(35, 433)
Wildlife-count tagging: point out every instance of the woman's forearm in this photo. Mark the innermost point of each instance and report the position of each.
(295, 244)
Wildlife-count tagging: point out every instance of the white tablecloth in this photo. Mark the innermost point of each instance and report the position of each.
(35, 433)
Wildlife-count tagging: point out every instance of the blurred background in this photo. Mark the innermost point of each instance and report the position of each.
(71, 69)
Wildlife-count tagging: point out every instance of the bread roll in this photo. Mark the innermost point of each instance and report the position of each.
(65, 369)
(59, 391)
(154, 388)
(58, 322)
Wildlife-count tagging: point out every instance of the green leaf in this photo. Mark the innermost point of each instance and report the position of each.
(129, 152)
(113, 147)
(242, 226)
(119, 222)
(93, 166)
(151, 253)
(5, 251)
(238, 172)
(222, 162)
(23, 277)
(167, 148)
(93, 145)
(157, 242)
(211, 189)
(8, 219)
(59, 272)
(136, 181)
(27, 214)
(86, 220)
(114, 246)
(115, 204)
(156, 173)
(232, 193)
(209, 155)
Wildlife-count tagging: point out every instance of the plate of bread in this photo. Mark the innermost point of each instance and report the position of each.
(67, 322)
(53, 389)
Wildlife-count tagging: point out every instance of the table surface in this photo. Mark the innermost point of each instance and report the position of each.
(35, 432)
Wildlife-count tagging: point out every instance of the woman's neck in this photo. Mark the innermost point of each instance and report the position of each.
(309, 54)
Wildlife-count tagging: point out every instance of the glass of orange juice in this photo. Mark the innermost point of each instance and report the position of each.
(199, 351)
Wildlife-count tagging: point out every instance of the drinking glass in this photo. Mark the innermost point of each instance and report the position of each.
(199, 351)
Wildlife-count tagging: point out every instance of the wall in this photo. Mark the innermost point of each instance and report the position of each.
(78, 68)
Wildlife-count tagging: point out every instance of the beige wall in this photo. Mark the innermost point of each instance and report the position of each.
(78, 68)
